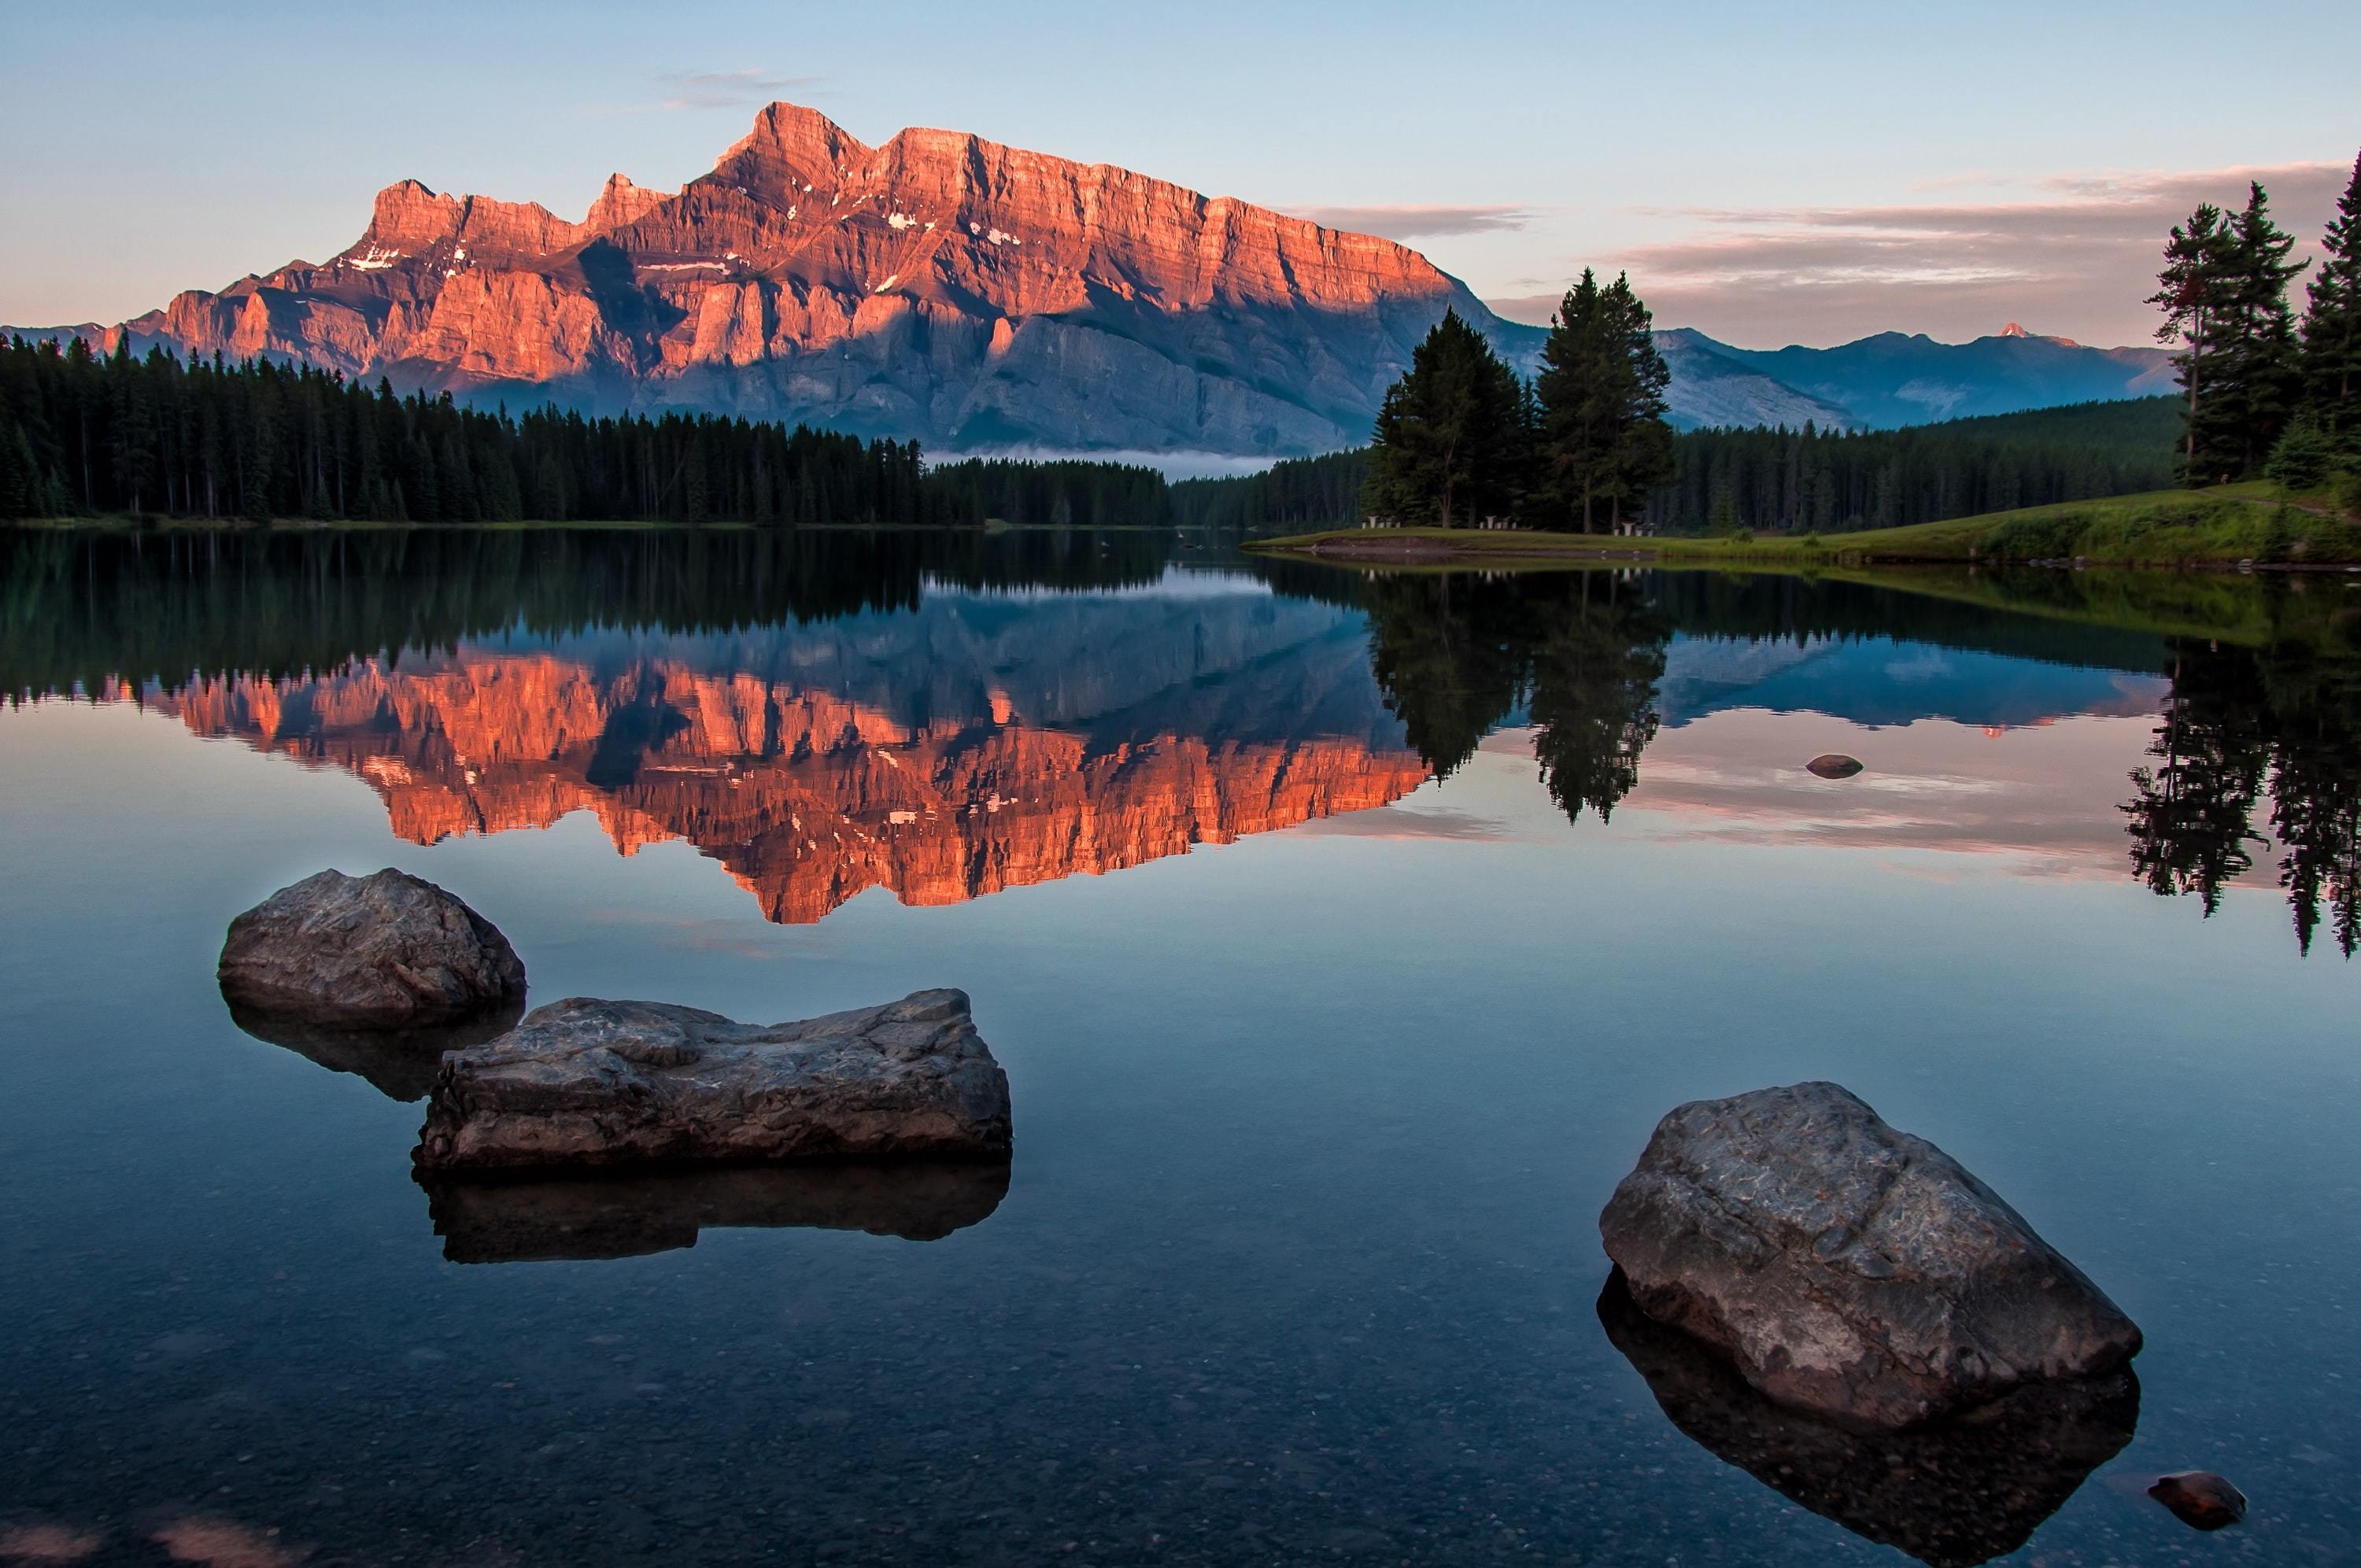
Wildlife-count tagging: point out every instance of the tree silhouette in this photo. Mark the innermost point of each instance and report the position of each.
(1450, 442)
(1594, 702)
(2192, 812)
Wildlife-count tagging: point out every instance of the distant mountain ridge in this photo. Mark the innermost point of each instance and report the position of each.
(972, 296)
(1895, 379)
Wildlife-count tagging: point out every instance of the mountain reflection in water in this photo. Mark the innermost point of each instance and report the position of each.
(1284, 1272)
(945, 715)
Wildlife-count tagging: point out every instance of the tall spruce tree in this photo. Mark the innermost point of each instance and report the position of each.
(1451, 442)
(2331, 326)
(1575, 445)
(2266, 365)
(1600, 396)
(1643, 443)
(2194, 292)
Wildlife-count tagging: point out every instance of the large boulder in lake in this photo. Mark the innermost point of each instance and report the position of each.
(1849, 1269)
(588, 1083)
(384, 952)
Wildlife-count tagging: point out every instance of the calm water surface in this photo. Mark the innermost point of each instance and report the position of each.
(1343, 939)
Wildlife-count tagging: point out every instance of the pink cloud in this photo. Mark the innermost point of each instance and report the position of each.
(1402, 223)
(2077, 263)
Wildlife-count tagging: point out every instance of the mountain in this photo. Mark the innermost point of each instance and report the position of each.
(1895, 379)
(941, 287)
(978, 297)
(938, 286)
(1712, 386)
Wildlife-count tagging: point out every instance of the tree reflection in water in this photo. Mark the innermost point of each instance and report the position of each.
(1577, 654)
(2284, 720)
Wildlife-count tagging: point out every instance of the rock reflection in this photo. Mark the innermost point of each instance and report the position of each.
(611, 1216)
(1952, 1496)
(399, 1063)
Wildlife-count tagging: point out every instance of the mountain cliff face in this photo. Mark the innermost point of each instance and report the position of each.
(979, 297)
(937, 286)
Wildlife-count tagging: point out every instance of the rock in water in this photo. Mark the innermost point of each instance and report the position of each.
(1833, 765)
(387, 950)
(1847, 1267)
(2200, 1499)
(586, 1084)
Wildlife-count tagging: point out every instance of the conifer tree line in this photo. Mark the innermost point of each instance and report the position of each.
(1833, 482)
(1807, 480)
(1295, 493)
(1461, 439)
(1060, 492)
(88, 434)
(2264, 394)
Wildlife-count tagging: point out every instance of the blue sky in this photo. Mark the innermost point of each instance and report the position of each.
(1772, 174)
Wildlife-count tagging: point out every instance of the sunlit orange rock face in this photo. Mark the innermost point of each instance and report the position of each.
(938, 286)
(806, 797)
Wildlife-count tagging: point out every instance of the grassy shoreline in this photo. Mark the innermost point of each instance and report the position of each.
(2231, 526)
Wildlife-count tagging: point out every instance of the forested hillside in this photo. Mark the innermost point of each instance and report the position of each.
(81, 435)
(1829, 482)
(1802, 480)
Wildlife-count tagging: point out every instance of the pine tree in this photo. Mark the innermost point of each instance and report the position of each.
(2332, 325)
(1605, 443)
(1450, 440)
(2194, 292)
(1576, 429)
(1643, 458)
(2265, 361)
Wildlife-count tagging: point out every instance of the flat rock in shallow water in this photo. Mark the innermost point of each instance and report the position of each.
(1849, 1269)
(387, 950)
(1953, 1493)
(588, 1084)
(1833, 765)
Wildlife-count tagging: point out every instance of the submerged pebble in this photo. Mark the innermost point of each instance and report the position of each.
(2200, 1499)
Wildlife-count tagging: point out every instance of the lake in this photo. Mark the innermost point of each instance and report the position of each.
(1343, 935)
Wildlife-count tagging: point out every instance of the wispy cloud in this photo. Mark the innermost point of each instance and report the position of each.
(2076, 259)
(726, 89)
(1414, 222)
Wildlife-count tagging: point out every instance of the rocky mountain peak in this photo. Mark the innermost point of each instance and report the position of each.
(621, 202)
(790, 148)
(937, 287)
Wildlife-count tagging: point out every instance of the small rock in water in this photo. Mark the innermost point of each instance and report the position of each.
(586, 1082)
(1833, 765)
(2200, 1499)
(388, 951)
